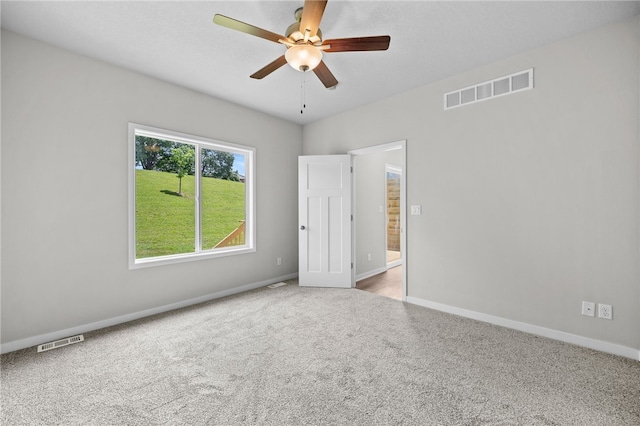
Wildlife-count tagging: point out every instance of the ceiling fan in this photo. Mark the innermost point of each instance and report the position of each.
(304, 42)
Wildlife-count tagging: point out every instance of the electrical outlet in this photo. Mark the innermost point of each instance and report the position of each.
(369, 257)
(279, 261)
(588, 309)
(605, 311)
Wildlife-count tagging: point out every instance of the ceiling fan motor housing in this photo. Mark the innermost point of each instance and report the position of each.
(295, 35)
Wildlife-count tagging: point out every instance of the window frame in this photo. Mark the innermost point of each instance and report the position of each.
(199, 142)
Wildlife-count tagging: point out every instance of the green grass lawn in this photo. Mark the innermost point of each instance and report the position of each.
(165, 221)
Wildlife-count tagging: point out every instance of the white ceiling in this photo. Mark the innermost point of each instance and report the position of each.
(177, 41)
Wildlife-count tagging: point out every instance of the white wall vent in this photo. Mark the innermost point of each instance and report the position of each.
(60, 343)
(500, 86)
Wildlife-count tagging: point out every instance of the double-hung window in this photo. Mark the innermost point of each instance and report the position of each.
(189, 197)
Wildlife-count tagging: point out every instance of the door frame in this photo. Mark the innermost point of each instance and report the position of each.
(401, 144)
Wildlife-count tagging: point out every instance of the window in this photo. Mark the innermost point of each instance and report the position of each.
(189, 197)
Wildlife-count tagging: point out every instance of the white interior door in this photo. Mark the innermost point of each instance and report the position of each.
(324, 220)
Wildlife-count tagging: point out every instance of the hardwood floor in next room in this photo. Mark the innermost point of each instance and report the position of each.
(387, 283)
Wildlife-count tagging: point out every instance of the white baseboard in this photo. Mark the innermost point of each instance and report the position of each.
(394, 264)
(371, 273)
(85, 328)
(562, 336)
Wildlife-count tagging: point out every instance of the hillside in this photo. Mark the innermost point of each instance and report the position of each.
(165, 221)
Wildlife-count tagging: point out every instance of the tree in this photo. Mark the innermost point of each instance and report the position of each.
(183, 158)
(151, 151)
(217, 164)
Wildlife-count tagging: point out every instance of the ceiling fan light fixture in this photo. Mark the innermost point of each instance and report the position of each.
(305, 45)
(303, 57)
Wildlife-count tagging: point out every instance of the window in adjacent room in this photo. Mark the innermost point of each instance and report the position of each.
(190, 197)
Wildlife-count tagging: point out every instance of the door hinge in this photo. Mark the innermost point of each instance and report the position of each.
(351, 265)
(351, 169)
(351, 218)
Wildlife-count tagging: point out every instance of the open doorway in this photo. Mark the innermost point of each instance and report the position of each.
(379, 243)
(392, 175)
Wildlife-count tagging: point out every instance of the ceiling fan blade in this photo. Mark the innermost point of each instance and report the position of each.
(268, 69)
(357, 44)
(325, 75)
(234, 24)
(312, 12)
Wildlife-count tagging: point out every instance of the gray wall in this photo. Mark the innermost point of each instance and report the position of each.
(64, 190)
(530, 201)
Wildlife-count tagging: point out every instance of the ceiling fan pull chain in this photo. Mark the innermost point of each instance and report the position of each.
(303, 85)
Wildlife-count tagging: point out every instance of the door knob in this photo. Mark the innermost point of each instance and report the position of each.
(302, 228)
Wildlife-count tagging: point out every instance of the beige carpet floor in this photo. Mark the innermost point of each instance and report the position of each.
(305, 356)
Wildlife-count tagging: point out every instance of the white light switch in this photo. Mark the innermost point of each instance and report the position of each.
(416, 210)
